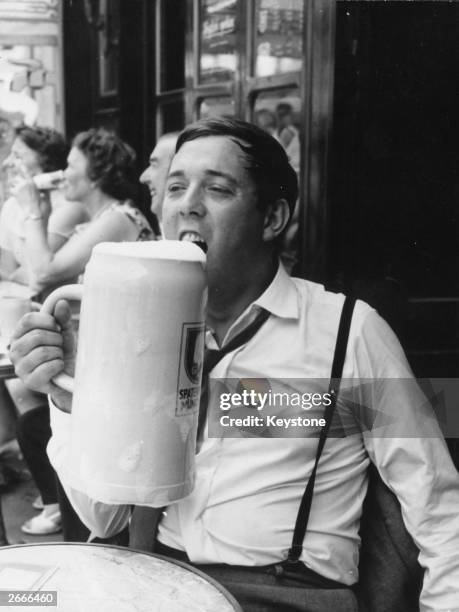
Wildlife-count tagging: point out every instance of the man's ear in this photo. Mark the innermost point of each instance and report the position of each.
(276, 218)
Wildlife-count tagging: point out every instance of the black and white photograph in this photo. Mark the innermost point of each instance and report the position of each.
(229, 305)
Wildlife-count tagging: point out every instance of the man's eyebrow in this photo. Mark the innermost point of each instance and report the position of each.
(216, 173)
(175, 174)
(224, 175)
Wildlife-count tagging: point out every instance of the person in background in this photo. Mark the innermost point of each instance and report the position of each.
(287, 134)
(34, 150)
(267, 121)
(155, 175)
(101, 175)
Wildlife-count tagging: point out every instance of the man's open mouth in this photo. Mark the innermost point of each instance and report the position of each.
(195, 238)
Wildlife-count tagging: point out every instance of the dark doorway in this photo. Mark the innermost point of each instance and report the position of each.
(395, 179)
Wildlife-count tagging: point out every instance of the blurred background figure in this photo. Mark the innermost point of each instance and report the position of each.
(35, 150)
(267, 121)
(100, 175)
(287, 134)
(155, 175)
(16, 108)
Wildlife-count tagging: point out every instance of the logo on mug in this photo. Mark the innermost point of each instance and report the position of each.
(190, 368)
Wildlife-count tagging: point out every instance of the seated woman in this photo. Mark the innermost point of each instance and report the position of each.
(101, 175)
(35, 150)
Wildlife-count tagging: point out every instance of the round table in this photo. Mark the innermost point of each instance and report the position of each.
(97, 578)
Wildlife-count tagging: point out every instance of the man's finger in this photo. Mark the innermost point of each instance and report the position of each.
(40, 378)
(32, 340)
(63, 314)
(37, 357)
(34, 320)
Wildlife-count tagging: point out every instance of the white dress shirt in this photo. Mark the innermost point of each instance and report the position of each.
(243, 508)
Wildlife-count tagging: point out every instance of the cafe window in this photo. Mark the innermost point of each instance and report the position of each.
(171, 17)
(216, 107)
(108, 42)
(171, 116)
(217, 41)
(279, 37)
(171, 36)
(278, 112)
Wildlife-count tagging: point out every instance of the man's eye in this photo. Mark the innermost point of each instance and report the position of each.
(219, 189)
(174, 187)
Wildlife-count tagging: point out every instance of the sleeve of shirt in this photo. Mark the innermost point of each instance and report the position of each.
(408, 448)
(103, 520)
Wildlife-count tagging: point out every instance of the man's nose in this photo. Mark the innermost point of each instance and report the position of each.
(192, 202)
(145, 177)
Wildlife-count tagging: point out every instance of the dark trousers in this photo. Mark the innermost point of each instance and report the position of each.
(263, 590)
(33, 434)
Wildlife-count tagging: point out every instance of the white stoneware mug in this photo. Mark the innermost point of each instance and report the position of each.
(138, 371)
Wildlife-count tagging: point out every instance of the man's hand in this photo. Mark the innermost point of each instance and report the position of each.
(42, 346)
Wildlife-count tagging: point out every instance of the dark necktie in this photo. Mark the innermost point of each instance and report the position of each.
(213, 356)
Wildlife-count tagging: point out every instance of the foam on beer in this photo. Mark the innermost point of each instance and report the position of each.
(174, 250)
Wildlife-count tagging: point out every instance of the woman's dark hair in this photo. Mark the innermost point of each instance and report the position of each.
(50, 146)
(267, 162)
(111, 162)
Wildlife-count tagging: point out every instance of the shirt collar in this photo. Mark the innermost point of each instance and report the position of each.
(280, 299)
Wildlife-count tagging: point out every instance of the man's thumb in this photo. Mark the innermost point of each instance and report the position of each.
(63, 315)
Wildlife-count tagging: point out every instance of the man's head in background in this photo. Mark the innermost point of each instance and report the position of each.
(155, 175)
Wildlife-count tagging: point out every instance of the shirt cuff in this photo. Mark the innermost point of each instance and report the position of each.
(59, 420)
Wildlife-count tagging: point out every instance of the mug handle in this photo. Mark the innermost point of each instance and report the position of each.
(66, 292)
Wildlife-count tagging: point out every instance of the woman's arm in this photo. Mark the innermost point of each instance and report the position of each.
(8, 265)
(48, 268)
(65, 216)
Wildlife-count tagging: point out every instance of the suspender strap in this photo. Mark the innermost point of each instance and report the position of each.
(336, 373)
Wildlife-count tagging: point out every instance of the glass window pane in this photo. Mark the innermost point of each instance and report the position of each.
(279, 36)
(216, 107)
(172, 116)
(278, 112)
(172, 47)
(108, 41)
(217, 31)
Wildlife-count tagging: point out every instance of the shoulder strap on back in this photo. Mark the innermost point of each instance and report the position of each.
(336, 373)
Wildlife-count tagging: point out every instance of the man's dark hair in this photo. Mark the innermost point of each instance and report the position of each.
(48, 144)
(267, 162)
(111, 162)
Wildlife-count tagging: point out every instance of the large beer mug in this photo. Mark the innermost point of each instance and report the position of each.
(138, 372)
